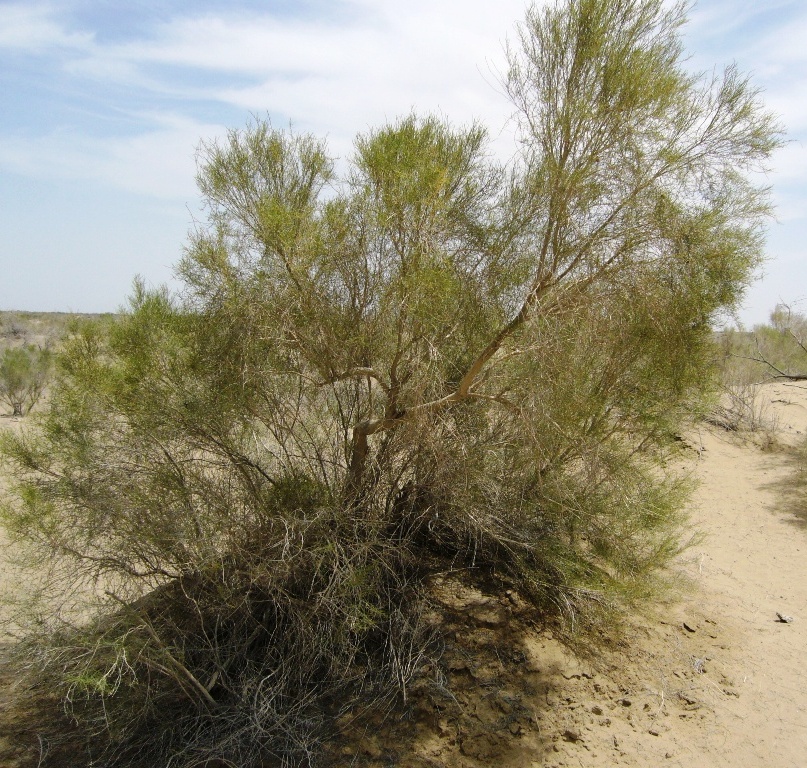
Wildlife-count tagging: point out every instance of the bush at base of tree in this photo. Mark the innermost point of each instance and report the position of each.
(440, 363)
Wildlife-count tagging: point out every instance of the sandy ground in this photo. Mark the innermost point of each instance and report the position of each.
(712, 680)
(716, 679)
(752, 566)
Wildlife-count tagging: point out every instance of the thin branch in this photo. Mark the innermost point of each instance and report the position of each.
(779, 374)
(357, 373)
(179, 666)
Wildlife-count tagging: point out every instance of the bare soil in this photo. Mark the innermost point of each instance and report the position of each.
(714, 679)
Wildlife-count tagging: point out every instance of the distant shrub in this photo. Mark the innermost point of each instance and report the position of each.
(24, 373)
(771, 351)
(12, 328)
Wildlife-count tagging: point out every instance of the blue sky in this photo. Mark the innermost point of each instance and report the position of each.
(102, 105)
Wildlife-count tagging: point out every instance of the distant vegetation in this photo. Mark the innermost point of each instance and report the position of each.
(24, 374)
(28, 342)
(771, 351)
(238, 496)
(774, 350)
(43, 329)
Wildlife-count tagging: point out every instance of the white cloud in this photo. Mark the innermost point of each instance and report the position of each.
(158, 162)
(364, 62)
(790, 162)
(237, 46)
(437, 41)
(784, 46)
(782, 69)
(719, 18)
(33, 29)
(333, 77)
(376, 33)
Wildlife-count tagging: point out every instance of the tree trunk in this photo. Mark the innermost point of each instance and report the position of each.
(358, 463)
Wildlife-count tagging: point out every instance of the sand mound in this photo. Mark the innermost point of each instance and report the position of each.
(715, 679)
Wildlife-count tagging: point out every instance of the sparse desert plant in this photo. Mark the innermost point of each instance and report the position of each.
(774, 350)
(737, 404)
(780, 347)
(24, 374)
(430, 362)
(42, 329)
(748, 359)
(11, 327)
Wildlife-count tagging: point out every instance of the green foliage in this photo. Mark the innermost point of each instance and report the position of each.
(430, 361)
(24, 374)
(779, 347)
(43, 328)
(772, 350)
(748, 359)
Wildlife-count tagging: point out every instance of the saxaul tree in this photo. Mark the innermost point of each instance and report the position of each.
(427, 360)
(778, 347)
(24, 374)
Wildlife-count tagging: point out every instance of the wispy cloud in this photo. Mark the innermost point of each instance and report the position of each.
(336, 75)
(86, 96)
(159, 162)
(35, 29)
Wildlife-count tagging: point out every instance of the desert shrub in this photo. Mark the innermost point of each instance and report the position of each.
(778, 347)
(748, 359)
(737, 405)
(773, 350)
(24, 374)
(12, 327)
(430, 362)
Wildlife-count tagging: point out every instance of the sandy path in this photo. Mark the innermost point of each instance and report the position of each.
(752, 565)
(733, 692)
(713, 679)
(709, 680)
